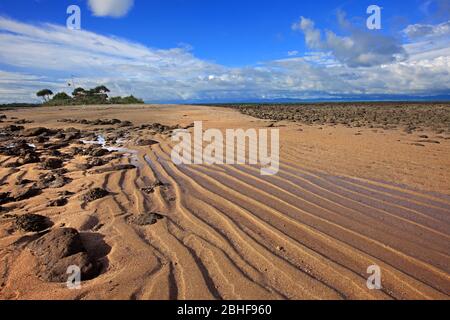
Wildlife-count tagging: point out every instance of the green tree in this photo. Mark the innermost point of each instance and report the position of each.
(101, 90)
(44, 94)
(78, 92)
(62, 96)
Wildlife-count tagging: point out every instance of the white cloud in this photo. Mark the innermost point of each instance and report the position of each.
(359, 48)
(48, 55)
(292, 53)
(110, 8)
(415, 31)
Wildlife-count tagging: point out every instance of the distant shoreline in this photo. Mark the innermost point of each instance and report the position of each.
(14, 105)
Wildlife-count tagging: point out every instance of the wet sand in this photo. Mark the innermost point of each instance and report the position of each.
(343, 200)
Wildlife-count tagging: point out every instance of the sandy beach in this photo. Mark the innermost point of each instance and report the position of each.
(344, 199)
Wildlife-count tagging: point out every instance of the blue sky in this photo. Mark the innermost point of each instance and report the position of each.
(217, 50)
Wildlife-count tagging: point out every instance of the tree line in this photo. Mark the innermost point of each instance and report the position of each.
(81, 96)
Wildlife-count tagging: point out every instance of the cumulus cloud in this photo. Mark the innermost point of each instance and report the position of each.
(360, 48)
(416, 31)
(110, 8)
(45, 55)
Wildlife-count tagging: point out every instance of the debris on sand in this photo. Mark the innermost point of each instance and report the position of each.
(94, 194)
(32, 223)
(145, 219)
(60, 249)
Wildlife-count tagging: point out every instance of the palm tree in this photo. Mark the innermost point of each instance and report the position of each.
(45, 93)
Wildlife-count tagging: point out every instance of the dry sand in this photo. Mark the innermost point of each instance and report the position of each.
(344, 199)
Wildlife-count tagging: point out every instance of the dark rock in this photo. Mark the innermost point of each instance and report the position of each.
(59, 135)
(25, 193)
(76, 151)
(52, 180)
(59, 249)
(55, 153)
(429, 141)
(14, 128)
(56, 146)
(60, 202)
(58, 244)
(3, 210)
(17, 149)
(94, 162)
(58, 271)
(52, 163)
(33, 132)
(94, 194)
(22, 182)
(72, 130)
(146, 142)
(23, 121)
(66, 194)
(31, 157)
(96, 151)
(32, 223)
(5, 197)
(99, 153)
(118, 167)
(126, 124)
(73, 136)
(40, 139)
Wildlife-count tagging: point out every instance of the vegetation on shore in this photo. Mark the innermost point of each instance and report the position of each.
(18, 105)
(81, 96)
